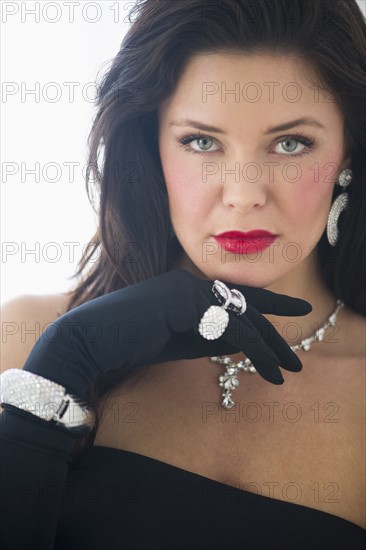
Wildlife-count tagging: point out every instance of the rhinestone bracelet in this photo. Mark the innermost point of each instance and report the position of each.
(41, 397)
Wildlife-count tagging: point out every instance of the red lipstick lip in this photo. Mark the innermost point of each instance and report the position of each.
(251, 242)
(255, 234)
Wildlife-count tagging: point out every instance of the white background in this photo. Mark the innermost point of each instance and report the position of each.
(49, 127)
(60, 42)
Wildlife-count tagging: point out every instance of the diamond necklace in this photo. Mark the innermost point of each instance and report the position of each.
(229, 380)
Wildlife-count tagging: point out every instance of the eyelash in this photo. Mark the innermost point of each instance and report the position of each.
(309, 143)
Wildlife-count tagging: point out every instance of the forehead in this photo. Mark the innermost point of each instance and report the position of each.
(242, 65)
(250, 86)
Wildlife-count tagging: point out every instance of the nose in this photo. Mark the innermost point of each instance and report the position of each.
(242, 186)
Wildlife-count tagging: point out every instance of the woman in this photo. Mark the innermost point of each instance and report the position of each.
(217, 117)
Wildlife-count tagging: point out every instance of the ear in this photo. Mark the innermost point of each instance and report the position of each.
(346, 163)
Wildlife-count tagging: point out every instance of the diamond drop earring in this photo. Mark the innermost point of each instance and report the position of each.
(338, 206)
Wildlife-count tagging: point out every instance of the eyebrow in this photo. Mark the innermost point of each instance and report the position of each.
(286, 126)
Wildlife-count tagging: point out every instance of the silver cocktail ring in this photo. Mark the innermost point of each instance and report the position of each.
(237, 301)
(215, 319)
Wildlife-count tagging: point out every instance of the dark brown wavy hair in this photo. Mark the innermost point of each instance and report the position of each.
(134, 238)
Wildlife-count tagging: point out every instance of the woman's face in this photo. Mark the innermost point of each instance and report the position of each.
(243, 173)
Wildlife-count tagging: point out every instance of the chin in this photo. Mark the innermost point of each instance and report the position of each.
(241, 273)
(238, 276)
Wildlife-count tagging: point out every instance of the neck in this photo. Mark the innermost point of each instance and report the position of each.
(303, 282)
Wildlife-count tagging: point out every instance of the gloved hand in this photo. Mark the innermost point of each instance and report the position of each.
(150, 322)
(156, 321)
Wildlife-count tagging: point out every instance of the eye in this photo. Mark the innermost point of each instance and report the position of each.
(290, 145)
(204, 143)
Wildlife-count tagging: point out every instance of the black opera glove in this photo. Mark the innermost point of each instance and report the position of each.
(156, 321)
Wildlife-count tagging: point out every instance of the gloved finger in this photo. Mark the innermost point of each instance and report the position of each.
(288, 359)
(243, 334)
(191, 345)
(267, 301)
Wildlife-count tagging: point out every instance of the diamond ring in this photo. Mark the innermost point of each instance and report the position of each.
(215, 319)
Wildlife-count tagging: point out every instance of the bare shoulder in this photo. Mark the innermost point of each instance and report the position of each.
(23, 320)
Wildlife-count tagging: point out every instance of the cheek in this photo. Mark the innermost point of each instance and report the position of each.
(309, 198)
(189, 197)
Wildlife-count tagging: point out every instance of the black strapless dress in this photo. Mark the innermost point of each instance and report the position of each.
(118, 499)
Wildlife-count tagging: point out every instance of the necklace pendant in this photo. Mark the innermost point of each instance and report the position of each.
(227, 402)
(229, 381)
